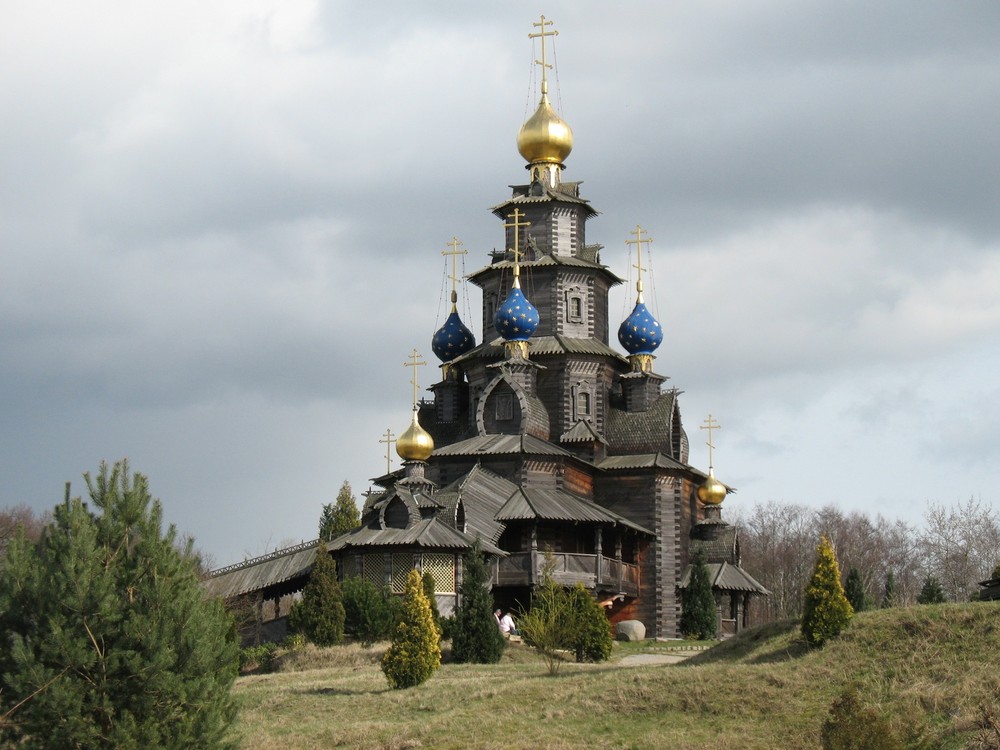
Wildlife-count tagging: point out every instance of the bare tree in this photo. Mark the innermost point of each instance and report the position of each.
(961, 546)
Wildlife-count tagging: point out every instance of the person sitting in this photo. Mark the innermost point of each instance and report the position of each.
(496, 616)
(507, 626)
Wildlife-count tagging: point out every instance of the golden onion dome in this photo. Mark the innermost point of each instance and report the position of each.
(712, 492)
(545, 137)
(416, 443)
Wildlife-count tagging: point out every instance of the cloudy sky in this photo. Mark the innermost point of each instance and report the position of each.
(221, 225)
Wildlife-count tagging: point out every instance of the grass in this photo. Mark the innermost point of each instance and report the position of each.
(930, 671)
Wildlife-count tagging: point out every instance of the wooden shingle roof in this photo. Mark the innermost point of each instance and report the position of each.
(558, 505)
(726, 577)
(262, 572)
(642, 432)
(544, 345)
(429, 533)
(496, 445)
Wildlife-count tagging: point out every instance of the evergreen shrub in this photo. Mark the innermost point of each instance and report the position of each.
(931, 592)
(826, 610)
(592, 640)
(369, 610)
(319, 614)
(699, 617)
(475, 636)
(415, 652)
(854, 590)
(851, 726)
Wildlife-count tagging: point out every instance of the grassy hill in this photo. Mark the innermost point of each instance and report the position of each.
(930, 671)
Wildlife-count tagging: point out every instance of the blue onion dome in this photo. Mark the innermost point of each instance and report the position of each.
(640, 333)
(452, 339)
(516, 318)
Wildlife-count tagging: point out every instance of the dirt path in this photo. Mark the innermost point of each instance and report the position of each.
(640, 660)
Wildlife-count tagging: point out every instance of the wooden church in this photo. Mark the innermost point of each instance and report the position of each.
(555, 450)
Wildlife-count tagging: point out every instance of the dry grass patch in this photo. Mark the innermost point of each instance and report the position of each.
(928, 670)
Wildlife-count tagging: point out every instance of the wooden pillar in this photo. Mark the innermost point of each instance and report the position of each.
(618, 558)
(459, 575)
(533, 556)
(597, 548)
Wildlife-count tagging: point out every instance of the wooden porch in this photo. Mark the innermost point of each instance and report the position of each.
(593, 571)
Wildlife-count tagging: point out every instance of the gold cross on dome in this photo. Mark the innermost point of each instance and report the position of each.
(516, 223)
(710, 424)
(414, 363)
(541, 35)
(388, 440)
(638, 242)
(454, 253)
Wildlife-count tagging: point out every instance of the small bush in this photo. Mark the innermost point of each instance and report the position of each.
(262, 657)
(851, 726)
(447, 628)
(592, 640)
(370, 611)
(549, 626)
(415, 652)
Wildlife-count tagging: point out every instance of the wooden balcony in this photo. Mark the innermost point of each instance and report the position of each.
(593, 571)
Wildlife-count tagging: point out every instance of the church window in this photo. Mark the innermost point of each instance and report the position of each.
(583, 404)
(491, 308)
(574, 307)
(505, 406)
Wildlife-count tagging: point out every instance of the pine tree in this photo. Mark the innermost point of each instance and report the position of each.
(415, 652)
(369, 610)
(341, 516)
(931, 592)
(319, 615)
(592, 640)
(476, 638)
(889, 593)
(698, 614)
(854, 590)
(826, 610)
(110, 641)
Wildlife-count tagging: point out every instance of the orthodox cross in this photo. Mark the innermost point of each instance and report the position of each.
(638, 241)
(454, 253)
(516, 223)
(710, 424)
(541, 35)
(414, 363)
(388, 440)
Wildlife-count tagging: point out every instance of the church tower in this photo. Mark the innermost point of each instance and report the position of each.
(606, 431)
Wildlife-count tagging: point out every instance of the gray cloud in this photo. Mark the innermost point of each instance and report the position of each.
(221, 233)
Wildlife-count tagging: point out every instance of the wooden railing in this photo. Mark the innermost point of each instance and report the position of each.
(592, 571)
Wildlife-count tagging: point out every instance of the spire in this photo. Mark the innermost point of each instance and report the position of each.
(712, 492)
(453, 338)
(389, 439)
(640, 333)
(544, 140)
(516, 318)
(415, 444)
